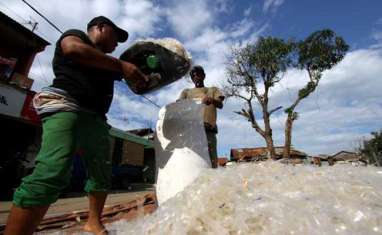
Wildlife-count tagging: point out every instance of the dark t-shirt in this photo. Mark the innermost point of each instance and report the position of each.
(92, 88)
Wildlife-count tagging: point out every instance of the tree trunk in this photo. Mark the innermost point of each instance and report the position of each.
(268, 136)
(270, 147)
(375, 158)
(267, 125)
(288, 136)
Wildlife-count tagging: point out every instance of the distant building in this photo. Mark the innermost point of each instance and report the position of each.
(19, 124)
(349, 157)
(146, 133)
(133, 162)
(18, 48)
(322, 159)
(261, 153)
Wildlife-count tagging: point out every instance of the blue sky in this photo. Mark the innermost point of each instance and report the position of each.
(344, 109)
(353, 20)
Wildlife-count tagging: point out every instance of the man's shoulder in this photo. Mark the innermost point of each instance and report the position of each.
(75, 32)
(213, 88)
(186, 90)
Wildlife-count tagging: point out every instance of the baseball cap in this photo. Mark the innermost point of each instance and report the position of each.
(122, 34)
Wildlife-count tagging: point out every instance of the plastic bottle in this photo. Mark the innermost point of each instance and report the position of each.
(152, 61)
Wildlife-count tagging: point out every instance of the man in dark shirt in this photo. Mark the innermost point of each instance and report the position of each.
(74, 123)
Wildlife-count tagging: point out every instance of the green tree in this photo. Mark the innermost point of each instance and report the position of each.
(319, 52)
(261, 63)
(372, 148)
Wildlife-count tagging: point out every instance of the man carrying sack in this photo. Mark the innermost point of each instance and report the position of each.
(73, 111)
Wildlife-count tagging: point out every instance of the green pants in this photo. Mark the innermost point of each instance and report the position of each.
(64, 135)
(211, 139)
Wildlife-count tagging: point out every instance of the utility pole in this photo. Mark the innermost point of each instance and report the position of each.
(35, 10)
(33, 24)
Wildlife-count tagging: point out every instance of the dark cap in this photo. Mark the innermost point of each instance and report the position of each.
(122, 34)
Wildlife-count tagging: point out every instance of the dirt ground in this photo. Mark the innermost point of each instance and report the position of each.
(75, 204)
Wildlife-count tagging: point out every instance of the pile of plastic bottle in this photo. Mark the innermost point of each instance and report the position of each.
(271, 198)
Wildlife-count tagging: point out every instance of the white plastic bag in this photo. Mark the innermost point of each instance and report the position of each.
(181, 148)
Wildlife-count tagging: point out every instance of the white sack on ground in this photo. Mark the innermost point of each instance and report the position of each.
(181, 150)
(271, 198)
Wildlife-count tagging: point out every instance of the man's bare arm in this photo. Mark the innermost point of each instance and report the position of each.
(74, 48)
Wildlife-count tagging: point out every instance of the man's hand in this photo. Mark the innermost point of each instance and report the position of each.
(207, 100)
(217, 103)
(132, 73)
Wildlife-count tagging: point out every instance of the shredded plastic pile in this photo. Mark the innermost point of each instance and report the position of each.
(271, 198)
(171, 44)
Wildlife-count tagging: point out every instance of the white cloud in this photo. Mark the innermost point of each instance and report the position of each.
(213, 45)
(133, 107)
(206, 39)
(272, 5)
(41, 72)
(189, 18)
(107, 8)
(140, 17)
(377, 36)
(224, 6)
(247, 12)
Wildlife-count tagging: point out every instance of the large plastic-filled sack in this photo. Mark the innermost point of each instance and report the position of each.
(163, 60)
(181, 150)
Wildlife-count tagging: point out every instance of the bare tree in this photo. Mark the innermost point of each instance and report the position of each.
(261, 63)
(319, 52)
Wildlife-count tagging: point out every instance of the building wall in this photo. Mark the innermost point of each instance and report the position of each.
(132, 154)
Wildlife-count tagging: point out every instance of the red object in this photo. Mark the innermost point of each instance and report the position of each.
(28, 112)
(222, 161)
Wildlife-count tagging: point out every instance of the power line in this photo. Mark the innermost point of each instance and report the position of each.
(149, 100)
(34, 9)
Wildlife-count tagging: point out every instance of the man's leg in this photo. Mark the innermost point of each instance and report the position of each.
(211, 139)
(24, 221)
(96, 203)
(51, 174)
(96, 157)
